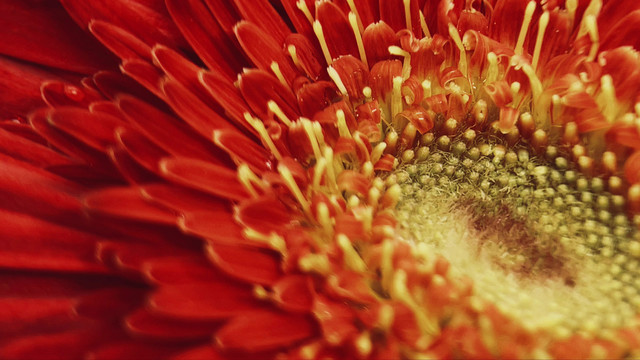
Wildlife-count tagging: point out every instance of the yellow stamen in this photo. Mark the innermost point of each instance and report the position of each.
(315, 262)
(333, 74)
(572, 6)
(248, 178)
(291, 183)
(363, 344)
(331, 173)
(515, 89)
(343, 130)
(392, 196)
(274, 240)
(396, 97)
(354, 10)
(377, 151)
(542, 27)
(538, 106)
(426, 88)
(302, 5)
(317, 29)
(275, 109)
(291, 49)
(351, 257)
(400, 291)
(275, 68)
(374, 196)
(492, 70)
(528, 15)
(607, 98)
(592, 10)
(308, 129)
(318, 171)
(264, 135)
(455, 36)
(367, 92)
(317, 130)
(592, 28)
(406, 63)
(367, 169)
(260, 292)
(423, 24)
(353, 202)
(324, 219)
(353, 21)
(407, 13)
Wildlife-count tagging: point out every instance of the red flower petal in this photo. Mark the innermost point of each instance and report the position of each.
(243, 150)
(146, 324)
(181, 199)
(58, 93)
(108, 303)
(60, 345)
(205, 36)
(144, 73)
(127, 202)
(141, 149)
(148, 19)
(392, 12)
(29, 243)
(166, 131)
(264, 330)
(261, 13)
(124, 44)
(336, 29)
(201, 175)
(71, 146)
(33, 153)
(228, 96)
(95, 130)
(294, 293)
(41, 32)
(263, 215)
(258, 87)
(250, 265)
(28, 190)
(263, 50)
(180, 270)
(134, 350)
(192, 110)
(206, 301)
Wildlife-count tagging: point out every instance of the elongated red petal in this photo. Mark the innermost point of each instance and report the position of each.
(250, 265)
(243, 150)
(127, 202)
(180, 270)
(166, 131)
(182, 199)
(336, 29)
(207, 300)
(41, 32)
(146, 324)
(263, 50)
(264, 330)
(121, 42)
(213, 179)
(29, 243)
(261, 13)
(205, 36)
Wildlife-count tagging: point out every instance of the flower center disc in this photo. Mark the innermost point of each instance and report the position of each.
(541, 241)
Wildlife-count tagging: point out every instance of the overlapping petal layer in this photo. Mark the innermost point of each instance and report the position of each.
(232, 192)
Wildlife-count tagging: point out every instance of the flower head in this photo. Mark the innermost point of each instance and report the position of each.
(313, 179)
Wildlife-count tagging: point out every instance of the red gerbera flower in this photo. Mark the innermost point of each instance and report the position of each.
(319, 179)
